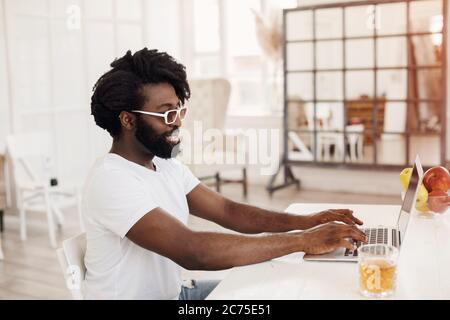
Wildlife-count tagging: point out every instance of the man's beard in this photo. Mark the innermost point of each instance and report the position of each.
(154, 143)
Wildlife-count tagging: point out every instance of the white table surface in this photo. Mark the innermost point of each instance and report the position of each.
(423, 269)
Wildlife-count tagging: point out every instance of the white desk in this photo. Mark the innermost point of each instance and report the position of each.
(423, 270)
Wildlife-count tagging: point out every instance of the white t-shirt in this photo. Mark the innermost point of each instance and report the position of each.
(117, 194)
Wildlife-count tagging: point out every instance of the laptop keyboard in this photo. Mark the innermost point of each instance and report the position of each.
(375, 236)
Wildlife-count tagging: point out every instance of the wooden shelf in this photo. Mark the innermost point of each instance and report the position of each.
(361, 111)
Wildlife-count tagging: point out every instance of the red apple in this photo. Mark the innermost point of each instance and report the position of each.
(436, 178)
(438, 201)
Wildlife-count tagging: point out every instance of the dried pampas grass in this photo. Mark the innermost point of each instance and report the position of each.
(269, 34)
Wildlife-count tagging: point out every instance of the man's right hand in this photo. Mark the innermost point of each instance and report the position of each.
(328, 237)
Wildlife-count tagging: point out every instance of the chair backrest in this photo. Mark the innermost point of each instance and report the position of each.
(29, 144)
(2, 183)
(208, 103)
(208, 106)
(71, 259)
(31, 156)
(355, 128)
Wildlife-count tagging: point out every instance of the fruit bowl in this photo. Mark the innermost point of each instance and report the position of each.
(438, 204)
(433, 195)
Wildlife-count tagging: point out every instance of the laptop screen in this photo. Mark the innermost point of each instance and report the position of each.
(410, 196)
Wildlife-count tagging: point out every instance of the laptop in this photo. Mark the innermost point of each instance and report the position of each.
(382, 234)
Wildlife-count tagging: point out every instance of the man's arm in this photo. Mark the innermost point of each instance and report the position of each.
(208, 204)
(159, 232)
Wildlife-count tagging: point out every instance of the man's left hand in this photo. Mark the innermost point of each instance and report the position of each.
(342, 215)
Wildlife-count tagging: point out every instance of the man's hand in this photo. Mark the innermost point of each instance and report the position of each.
(330, 215)
(328, 237)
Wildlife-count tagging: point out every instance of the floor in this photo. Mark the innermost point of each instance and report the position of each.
(30, 269)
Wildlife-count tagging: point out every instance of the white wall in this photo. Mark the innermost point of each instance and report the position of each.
(4, 94)
(56, 57)
(164, 26)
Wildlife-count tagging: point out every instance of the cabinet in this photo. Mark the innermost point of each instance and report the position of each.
(361, 111)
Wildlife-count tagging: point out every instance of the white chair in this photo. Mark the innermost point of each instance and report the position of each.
(355, 139)
(298, 120)
(32, 165)
(302, 152)
(224, 162)
(71, 259)
(301, 116)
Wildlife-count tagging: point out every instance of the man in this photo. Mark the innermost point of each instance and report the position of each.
(138, 198)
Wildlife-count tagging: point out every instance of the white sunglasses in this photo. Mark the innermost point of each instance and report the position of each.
(170, 116)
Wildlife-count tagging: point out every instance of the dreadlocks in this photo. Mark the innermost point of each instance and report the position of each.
(120, 89)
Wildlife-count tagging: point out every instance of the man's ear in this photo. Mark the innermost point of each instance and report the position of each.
(127, 120)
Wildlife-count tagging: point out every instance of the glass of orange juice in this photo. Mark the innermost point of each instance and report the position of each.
(377, 267)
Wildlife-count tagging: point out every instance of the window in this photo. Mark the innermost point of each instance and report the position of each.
(58, 50)
(226, 45)
(207, 43)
